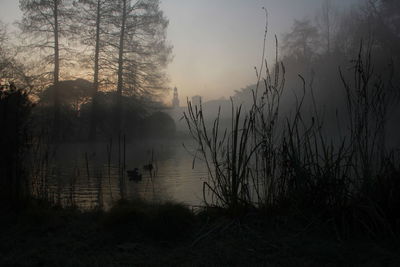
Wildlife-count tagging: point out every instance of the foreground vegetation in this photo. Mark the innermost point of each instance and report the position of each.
(142, 234)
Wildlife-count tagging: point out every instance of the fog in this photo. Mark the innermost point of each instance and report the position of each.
(210, 117)
(97, 71)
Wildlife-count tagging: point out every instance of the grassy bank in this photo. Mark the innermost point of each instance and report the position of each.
(142, 234)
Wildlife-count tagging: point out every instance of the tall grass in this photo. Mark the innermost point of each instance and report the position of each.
(268, 160)
(227, 156)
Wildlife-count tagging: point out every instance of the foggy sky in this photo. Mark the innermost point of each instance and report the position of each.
(217, 43)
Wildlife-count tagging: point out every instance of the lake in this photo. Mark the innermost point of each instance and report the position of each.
(94, 175)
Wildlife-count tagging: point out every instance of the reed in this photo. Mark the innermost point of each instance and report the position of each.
(227, 156)
(266, 160)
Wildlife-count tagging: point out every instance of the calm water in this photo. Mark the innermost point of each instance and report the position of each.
(90, 176)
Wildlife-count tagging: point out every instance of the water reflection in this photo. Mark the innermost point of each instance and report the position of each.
(90, 176)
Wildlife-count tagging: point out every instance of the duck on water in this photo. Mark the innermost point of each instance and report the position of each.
(135, 175)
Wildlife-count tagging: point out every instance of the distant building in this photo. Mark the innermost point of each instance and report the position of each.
(175, 99)
(196, 100)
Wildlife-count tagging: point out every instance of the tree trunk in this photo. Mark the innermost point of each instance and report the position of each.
(93, 124)
(328, 29)
(56, 129)
(120, 67)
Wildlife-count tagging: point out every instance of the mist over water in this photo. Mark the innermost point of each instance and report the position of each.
(82, 175)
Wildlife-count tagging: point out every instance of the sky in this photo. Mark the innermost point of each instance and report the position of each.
(217, 43)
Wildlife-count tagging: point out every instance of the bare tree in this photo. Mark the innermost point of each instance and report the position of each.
(45, 22)
(327, 21)
(4, 58)
(92, 18)
(141, 52)
(11, 67)
(147, 53)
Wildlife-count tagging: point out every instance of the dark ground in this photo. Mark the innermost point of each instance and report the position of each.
(140, 234)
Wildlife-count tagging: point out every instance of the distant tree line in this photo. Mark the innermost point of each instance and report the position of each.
(324, 52)
(335, 36)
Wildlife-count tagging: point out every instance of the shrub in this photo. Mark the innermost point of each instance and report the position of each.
(15, 110)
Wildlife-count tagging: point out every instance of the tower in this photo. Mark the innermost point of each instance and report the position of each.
(175, 99)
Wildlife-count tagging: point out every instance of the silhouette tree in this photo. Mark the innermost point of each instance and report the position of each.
(72, 93)
(92, 18)
(302, 41)
(45, 21)
(147, 53)
(141, 52)
(385, 15)
(327, 21)
(10, 66)
(4, 57)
